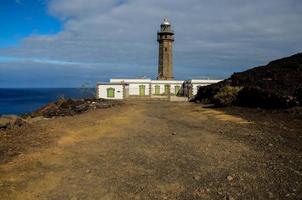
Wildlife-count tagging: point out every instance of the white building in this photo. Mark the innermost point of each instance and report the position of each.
(111, 91)
(164, 87)
(124, 88)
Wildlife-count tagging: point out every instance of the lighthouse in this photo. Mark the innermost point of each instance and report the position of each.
(165, 38)
(164, 87)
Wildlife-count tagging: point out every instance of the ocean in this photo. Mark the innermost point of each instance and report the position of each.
(21, 101)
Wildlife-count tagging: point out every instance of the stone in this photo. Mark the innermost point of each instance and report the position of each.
(102, 105)
(174, 133)
(81, 108)
(270, 195)
(270, 144)
(202, 191)
(88, 171)
(230, 178)
(230, 197)
(74, 198)
(196, 177)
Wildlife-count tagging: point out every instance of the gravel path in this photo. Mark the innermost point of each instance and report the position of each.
(155, 150)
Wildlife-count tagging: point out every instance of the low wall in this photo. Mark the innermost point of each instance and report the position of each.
(176, 98)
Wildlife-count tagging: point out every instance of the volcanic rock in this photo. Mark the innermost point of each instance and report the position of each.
(275, 85)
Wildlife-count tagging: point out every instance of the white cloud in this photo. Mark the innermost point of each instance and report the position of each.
(222, 34)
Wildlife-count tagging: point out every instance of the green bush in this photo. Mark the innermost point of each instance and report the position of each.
(226, 96)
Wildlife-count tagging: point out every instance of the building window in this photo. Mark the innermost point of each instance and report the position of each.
(110, 92)
(142, 90)
(177, 89)
(167, 88)
(166, 49)
(157, 90)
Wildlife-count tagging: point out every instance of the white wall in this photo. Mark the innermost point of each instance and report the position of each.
(162, 88)
(172, 88)
(196, 86)
(162, 84)
(199, 83)
(118, 91)
(135, 83)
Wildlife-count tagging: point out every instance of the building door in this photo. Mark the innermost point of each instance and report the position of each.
(157, 90)
(141, 90)
(167, 88)
(110, 92)
(177, 88)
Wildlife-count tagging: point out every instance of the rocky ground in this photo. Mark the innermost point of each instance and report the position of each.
(61, 108)
(155, 150)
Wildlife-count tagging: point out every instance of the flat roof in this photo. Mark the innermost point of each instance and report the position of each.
(108, 83)
(114, 80)
(167, 81)
(149, 81)
(204, 81)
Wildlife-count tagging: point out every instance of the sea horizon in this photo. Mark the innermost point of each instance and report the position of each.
(20, 101)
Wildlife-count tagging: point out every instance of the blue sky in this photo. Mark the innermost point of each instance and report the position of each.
(66, 43)
(21, 19)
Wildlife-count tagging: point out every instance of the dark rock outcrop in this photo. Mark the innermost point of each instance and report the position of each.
(60, 108)
(70, 107)
(276, 85)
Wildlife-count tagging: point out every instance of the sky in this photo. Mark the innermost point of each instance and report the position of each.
(68, 43)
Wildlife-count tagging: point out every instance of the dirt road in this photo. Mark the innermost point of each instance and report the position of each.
(155, 150)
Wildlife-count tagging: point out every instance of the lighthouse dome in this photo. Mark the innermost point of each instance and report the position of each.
(165, 22)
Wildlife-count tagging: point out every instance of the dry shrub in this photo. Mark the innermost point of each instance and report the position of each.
(226, 96)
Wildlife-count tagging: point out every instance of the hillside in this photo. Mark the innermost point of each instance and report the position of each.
(275, 85)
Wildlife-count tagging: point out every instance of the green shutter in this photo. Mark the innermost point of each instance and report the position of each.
(167, 89)
(110, 92)
(157, 90)
(177, 88)
(141, 90)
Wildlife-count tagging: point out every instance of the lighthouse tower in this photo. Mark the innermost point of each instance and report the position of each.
(165, 38)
